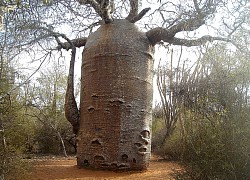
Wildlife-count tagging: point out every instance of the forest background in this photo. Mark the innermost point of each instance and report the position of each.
(201, 117)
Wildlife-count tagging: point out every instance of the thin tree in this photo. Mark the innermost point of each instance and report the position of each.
(169, 80)
(46, 101)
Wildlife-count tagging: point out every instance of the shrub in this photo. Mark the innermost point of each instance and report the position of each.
(12, 164)
(218, 150)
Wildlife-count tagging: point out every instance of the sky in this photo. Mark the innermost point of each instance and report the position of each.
(189, 54)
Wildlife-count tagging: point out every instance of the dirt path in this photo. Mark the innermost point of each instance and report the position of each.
(66, 169)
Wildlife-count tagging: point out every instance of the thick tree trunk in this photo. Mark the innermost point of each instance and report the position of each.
(116, 99)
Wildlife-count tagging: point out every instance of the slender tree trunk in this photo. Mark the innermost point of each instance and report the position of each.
(59, 136)
(71, 109)
(63, 144)
(167, 134)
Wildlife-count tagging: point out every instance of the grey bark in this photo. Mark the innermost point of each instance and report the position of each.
(71, 109)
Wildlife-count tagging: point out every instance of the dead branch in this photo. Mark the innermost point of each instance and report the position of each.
(133, 14)
(134, 4)
(195, 21)
(196, 42)
(79, 42)
(103, 8)
(140, 15)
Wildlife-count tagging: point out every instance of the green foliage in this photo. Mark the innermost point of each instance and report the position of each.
(13, 131)
(212, 138)
(217, 150)
(14, 166)
(53, 133)
(32, 119)
(157, 133)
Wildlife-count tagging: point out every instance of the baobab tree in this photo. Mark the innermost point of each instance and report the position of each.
(117, 76)
(114, 118)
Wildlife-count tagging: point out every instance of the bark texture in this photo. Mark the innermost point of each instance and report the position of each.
(116, 99)
(71, 110)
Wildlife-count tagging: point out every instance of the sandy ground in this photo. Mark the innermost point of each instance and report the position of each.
(66, 169)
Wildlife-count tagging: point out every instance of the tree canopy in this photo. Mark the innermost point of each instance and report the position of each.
(47, 23)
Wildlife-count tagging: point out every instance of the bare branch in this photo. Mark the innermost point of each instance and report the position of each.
(196, 42)
(70, 106)
(188, 25)
(134, 4)
(235, 26)
(106, 7)
(103, 8)
(79, 42)
(158, 34)
(195, 20)
(31, 75)
(94, 4)
(196, 5)
(133, 14)
(140, 15)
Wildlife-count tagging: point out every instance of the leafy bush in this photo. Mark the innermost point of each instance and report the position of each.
(212, 150)
(13, 166)
(212, 136)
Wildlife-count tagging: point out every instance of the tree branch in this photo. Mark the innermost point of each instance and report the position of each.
(103, 8)
(70, 106)
(196, 20)
(196, 42)
(162, 34)
(79, 42)
(134, 5)
(196, 6)
(106, 7)
(188, 25)
(94, 4)
(140, 15)
(133, 14)
(158, 34)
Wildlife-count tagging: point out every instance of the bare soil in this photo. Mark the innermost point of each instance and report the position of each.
(59, 168)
